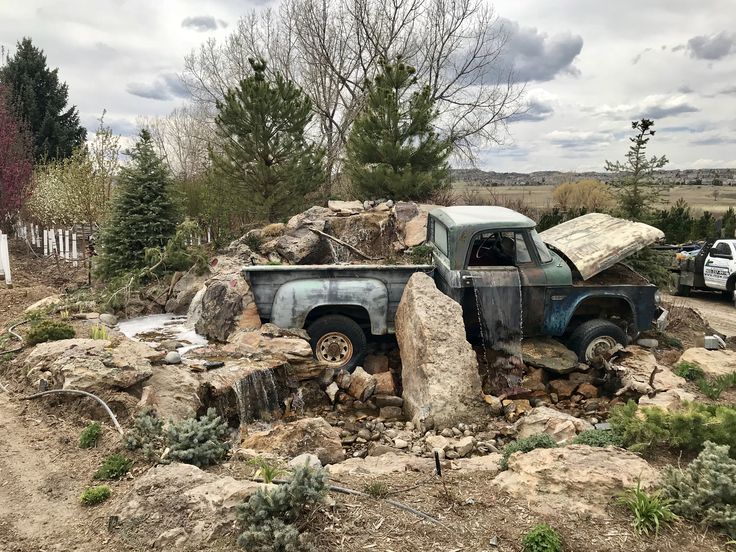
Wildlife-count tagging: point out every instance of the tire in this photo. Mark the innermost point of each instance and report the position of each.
(592, 332)
(682, 290)
(337, 341)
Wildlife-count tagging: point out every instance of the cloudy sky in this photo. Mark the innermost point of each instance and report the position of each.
(592, 67)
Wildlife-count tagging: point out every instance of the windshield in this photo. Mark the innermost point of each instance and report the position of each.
(544, 254)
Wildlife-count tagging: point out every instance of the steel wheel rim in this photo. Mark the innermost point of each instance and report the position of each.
(599, 345)
(335, 349)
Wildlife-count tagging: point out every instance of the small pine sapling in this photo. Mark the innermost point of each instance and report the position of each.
(115, 466)
(147, 434)
(95, 495)
(542, 538)
(198, 442)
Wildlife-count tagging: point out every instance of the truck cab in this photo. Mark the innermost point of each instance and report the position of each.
(713, 268)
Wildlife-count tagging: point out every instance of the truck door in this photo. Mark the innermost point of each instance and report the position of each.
(717, 266)
(491, 266)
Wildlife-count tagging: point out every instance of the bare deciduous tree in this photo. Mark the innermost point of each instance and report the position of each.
(329, 47)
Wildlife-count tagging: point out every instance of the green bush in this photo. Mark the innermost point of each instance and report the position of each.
(147, 434)
(267, 469)
(115, 466)
(541, 440)
(643, 429)
(90, 435)
(705, 491)
(421, 254)
(689, 370)
(542, 538)
(713, 388)
(271, 518)
(95, 495)
(650, 510)
(376, 489)
(49, 330)
(598, 438)
(198, 442)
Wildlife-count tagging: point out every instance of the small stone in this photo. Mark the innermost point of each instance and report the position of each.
(388, 400)
(326, 377)
(169, 345)
(467, 433)
(494, 403)
(648, 343)
(588, 390)
(172, 357)
(362, 384)
(332, 390)
(464, 446)
(378, 449)
(400, 443)
(409, 426)
(108, 319)
(437, 442)
(343, 379)
(364, 434)
(391, 413)
(305, 459)
(212, 364)
(349, 440)
(456, 431)
(447, 432)
(562, 387)
(361, 440)
(451, 454)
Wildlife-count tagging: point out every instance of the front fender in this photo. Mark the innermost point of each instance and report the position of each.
(296, 299)
(562, 307)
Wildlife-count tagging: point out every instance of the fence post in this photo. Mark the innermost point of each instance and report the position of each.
(5, 259)
(74, 251)
(67, 251)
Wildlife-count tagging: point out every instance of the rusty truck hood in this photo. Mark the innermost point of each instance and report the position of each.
(595, 242)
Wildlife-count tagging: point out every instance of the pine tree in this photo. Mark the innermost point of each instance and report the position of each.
(143, 212)
(41, 101)
(728, 224)
(637, 190)
(393, 150)
(264, 152)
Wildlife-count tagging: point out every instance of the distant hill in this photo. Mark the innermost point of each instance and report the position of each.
(477, 177)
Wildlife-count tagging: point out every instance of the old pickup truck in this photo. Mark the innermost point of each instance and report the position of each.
(493, 262)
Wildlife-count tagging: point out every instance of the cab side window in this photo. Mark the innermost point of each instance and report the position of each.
(723, 250)
(499, 249)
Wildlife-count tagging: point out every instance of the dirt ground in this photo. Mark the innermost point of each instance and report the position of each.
(717, 310)
(43, 472)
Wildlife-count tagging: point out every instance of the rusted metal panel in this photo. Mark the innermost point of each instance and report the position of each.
(595, 242)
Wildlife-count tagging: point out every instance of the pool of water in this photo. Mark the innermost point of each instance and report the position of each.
(155, 328)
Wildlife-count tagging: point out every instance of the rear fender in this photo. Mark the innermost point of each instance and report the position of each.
(563, 306)
(296, 299)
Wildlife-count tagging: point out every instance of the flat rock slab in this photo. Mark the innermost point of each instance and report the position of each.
(550, 354)
(713, 363)
(381, 465)
(576, 479)
(311, 435)
(562, 427)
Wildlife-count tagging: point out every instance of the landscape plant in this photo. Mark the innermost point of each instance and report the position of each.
(542, 538)
(16, 162)
(198, 441)
(541, 440)
(143, 215)
(598, 438)
(49, 330)
(263, 150)
(274, 519)
(650, 509)
(705, 491)
(98, 331)
(649, 428)
(147, 434)
(90, 435)
(636, 189)
(266, 469)
(114, 466)
(95, 495)
(376, 489)
(689, 370)
(394, 150)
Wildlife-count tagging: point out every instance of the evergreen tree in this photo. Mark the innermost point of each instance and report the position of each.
(728, 224)
(143, 212)
(637, 190)
(41, 101)
(393, 151)
(676, 222)
(704, 227)
(264, 152)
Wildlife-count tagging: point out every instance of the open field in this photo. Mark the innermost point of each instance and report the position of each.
(700, 198)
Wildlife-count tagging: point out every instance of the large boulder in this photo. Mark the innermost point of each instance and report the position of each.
(299, 245)
(179, 506)
(227, 304)
(440, 370)
(371, 233)
(713, 363)
(414, 230)
(671, 400)
(93, 365)
(562, 427)
(577, 479)
(312, 435)
(173, 392)
(183, 292)
(548, 353)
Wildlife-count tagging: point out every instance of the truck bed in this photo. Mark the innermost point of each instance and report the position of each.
(265, 280)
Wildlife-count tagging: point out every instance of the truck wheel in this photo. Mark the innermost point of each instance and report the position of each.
(337, 341)
(682, 290)
(594, 337)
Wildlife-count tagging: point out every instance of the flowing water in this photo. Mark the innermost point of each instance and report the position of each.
(258, 396)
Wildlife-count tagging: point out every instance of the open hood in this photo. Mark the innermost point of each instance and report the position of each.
(595, 242)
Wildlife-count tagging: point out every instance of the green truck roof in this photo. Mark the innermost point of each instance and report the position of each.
(482, 217)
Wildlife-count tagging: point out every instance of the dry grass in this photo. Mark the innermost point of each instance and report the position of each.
(700, 198)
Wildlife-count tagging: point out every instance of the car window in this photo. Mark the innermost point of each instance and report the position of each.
(438, 235)
(723, 250)
(499, 249)
(544, 255)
